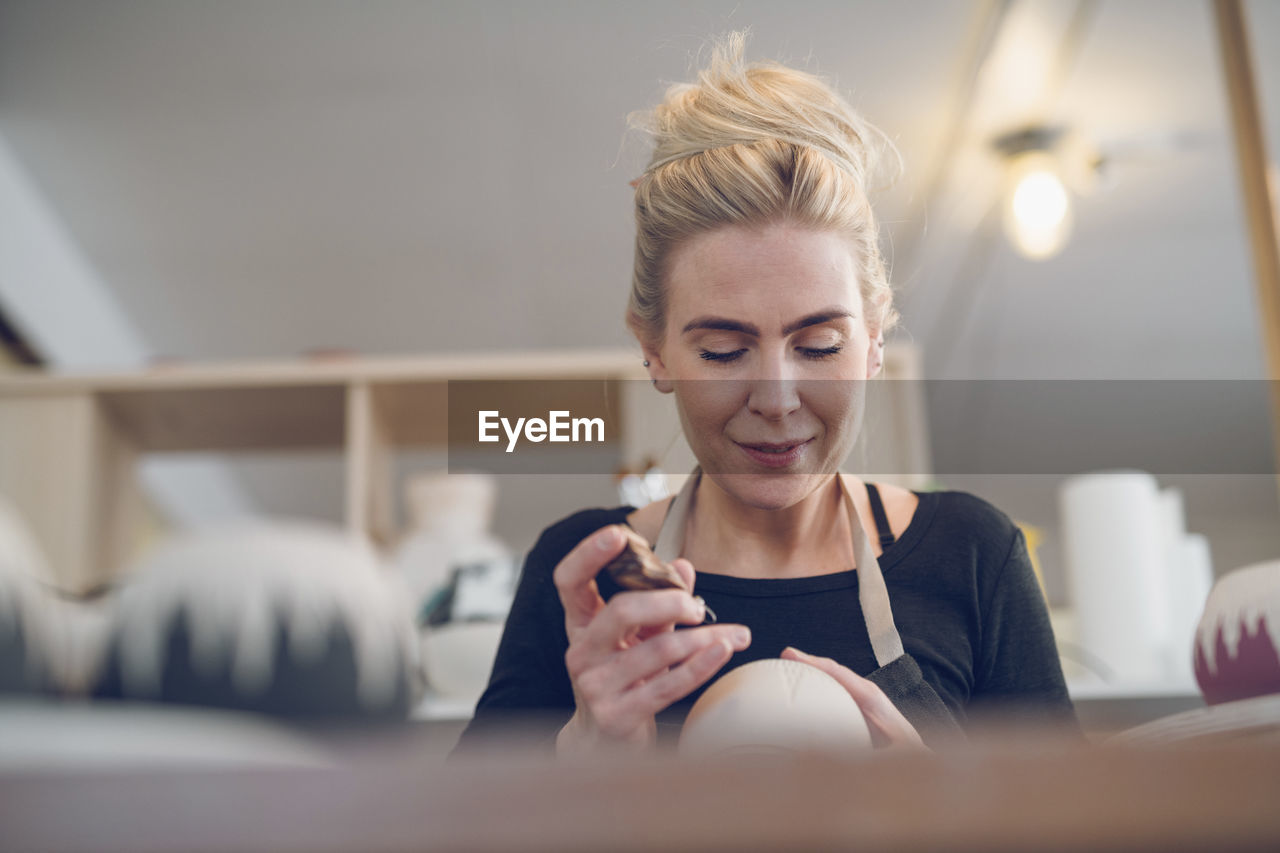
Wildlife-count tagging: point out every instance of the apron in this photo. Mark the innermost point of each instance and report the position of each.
(897, 673)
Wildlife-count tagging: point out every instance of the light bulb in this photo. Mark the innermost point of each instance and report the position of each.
(1037, 208)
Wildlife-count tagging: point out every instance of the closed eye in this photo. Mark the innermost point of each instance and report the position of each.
(712, 355)
(825, 352)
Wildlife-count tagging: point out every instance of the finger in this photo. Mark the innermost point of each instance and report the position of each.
(628, 613)
(879, 718)
(678, 682)
(849, 680)
(575, 575)
(881, 714)
(654, 630)
(686, 572)
(685, 569)
(653, 657)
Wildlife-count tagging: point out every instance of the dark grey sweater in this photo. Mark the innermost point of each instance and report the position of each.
(963, 593)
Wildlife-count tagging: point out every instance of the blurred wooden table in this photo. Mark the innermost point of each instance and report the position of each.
(1007, 797)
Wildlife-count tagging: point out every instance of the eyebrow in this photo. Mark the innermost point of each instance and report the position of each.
(724, 324)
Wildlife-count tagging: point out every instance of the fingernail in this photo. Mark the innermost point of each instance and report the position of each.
(606, 540)
(741, 636)
(795, 651)
(702, 606)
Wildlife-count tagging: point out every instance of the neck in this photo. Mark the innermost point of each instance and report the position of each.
(810, 537)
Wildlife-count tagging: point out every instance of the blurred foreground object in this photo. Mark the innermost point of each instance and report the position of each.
(1017, 796)
(1245, 722)
(24, 608)
(1137, 578)
(643, 486)
(461, 579)
(458, 657)
(774, 705)
(67, 737)
(449, 517)
(1237, 649)
(1237, 664)
(293, 619)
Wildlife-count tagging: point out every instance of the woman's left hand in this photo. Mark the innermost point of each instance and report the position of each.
(888, 726)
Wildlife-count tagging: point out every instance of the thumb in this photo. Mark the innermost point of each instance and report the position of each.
(685, 569)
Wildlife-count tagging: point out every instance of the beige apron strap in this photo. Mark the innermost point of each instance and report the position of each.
(671, 537)
(873, 595)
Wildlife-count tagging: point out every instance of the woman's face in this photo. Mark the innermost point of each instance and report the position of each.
(767, 349)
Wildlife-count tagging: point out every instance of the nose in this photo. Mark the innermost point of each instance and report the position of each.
(774, 393)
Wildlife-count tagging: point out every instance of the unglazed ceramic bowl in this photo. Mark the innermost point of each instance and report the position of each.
(774, 706)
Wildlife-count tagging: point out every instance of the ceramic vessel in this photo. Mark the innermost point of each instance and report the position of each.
(1237, 650)
(771, 706)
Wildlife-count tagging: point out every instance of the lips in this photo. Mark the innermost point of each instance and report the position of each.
(775, 454)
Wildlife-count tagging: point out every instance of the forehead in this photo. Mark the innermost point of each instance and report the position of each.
(768, 275)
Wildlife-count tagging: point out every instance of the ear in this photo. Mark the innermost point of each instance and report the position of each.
(653, 356)
(875, 356)
(657, 369)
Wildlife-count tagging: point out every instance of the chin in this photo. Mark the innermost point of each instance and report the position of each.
(768, 491)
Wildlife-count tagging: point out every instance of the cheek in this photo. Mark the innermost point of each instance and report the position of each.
(709, 402)
(838, 403)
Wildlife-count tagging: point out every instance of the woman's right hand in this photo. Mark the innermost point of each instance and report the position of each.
(625, 659)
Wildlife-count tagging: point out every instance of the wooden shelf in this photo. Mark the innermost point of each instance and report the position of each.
(228, 418)
(564, 364)
(71, 440)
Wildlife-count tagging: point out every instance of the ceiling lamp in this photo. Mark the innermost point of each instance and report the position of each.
(1037, 205)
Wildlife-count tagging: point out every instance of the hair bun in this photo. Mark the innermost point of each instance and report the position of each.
(736, 103)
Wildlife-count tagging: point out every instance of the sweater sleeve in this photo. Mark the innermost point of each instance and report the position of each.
(1019, 672)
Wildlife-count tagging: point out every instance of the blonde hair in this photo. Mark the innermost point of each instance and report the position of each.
(753, 144)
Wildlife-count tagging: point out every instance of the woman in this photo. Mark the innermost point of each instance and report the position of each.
(757, 267)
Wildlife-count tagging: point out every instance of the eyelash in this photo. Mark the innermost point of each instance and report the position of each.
(814, 354)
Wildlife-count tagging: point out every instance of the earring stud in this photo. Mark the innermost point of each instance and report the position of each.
(646, 362)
